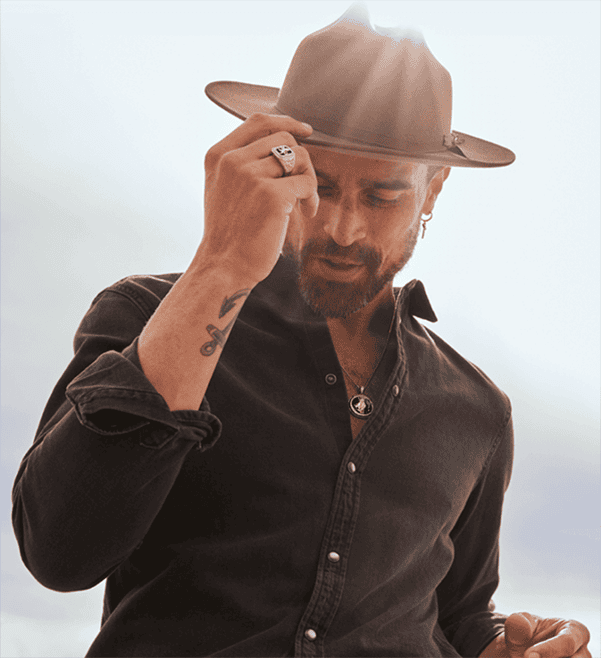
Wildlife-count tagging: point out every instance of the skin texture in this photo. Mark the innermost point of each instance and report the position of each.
(248, 203)
(529, 636)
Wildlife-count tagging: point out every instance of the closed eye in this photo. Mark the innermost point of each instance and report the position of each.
(324, 190)
(380, 202)
(374, 200)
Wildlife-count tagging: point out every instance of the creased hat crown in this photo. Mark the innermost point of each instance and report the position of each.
(379, 86)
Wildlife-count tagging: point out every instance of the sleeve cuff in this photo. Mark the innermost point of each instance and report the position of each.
(113, 397)
(476, 632)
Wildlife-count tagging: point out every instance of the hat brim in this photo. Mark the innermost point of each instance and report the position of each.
(242, 100)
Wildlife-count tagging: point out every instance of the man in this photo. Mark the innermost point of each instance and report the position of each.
(269, 454)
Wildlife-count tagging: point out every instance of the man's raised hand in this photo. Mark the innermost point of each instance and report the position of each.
(248, 201)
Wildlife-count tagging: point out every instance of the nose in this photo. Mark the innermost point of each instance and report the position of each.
(343, 221)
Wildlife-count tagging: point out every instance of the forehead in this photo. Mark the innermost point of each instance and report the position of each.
(347, 168)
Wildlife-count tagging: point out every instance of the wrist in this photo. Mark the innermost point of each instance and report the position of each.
(228, 271)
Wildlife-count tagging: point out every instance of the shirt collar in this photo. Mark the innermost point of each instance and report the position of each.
(417, 302)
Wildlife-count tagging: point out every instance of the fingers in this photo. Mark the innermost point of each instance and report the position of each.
(519, 630)
(301, 182)
(583, 653)
(529, 636)
(244, 156)
(261, 125)
(255, 138)
(260, 152)
(258, 160)
(248, 202)
(302, 189)
(569, 642)
(256, 127)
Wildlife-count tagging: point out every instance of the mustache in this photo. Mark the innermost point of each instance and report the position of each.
(355, 253)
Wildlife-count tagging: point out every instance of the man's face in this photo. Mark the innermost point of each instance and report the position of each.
(364, 232)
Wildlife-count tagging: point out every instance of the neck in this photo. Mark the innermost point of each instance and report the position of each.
(369, 324)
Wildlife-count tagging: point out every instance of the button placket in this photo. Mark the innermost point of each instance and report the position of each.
(312, 630)
(319, 614)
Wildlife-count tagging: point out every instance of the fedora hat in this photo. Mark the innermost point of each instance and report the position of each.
(369, 91)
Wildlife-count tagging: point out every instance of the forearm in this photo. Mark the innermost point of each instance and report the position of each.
(248, 205)
(182, 342)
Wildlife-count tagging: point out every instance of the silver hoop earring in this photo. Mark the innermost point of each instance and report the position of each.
(425, 218)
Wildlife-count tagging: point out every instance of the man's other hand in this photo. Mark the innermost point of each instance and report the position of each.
(529, 636)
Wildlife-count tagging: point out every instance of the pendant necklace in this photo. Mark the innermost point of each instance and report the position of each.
(361, 405)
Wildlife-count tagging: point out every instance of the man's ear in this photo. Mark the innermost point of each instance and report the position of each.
(434, 189)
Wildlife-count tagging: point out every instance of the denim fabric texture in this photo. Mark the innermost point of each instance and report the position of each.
(256, 526)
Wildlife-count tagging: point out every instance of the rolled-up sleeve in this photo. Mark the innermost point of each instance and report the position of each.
(106, 453)
(113, 397)
(467, 614)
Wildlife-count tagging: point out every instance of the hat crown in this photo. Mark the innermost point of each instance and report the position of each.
(378, 85)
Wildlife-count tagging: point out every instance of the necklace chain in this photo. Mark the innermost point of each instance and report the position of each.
(362, 388)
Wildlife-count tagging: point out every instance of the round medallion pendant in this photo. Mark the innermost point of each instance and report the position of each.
(360, 405)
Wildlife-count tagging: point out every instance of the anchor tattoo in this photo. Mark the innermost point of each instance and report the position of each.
(219, 338)
(220, 335)
(230, 302)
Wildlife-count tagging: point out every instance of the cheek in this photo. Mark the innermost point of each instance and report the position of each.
(395, 225)
(395, 234)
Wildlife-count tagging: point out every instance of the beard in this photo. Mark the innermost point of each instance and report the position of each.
(339, 299)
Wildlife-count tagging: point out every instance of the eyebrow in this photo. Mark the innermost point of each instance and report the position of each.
(389, 184)
(392, 184)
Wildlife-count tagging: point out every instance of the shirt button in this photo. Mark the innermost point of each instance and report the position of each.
(395, 390)
(331, 378)
(310, 634)
(333, 557)
(351, 467)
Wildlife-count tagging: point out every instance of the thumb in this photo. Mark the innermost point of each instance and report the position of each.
(519, 631)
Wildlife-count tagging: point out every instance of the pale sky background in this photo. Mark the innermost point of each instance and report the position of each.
(104, 129)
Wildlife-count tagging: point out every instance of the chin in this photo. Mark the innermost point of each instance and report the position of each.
(335, 299)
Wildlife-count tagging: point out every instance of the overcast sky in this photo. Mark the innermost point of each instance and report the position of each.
(104, 129)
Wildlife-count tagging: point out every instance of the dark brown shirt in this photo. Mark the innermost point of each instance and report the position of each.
(256, 526)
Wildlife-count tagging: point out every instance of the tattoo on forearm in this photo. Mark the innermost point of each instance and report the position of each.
(219, 338)
(220, 335)
(230, 302)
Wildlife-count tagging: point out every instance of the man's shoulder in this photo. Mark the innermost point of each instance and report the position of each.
(438, 361)
(464, 366)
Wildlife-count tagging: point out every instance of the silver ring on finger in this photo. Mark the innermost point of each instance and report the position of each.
(286, 157)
